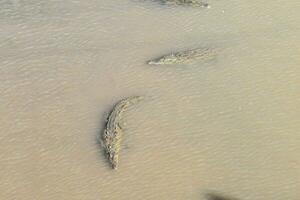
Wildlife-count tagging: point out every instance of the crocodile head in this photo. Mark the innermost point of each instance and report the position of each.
(113, 157)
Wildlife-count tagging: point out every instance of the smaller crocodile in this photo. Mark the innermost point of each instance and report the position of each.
(194, 3)
(203, 54)
(112, 135)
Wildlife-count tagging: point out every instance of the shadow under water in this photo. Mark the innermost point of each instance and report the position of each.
(218, 196)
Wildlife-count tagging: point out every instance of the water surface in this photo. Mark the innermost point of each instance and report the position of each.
(230, 125)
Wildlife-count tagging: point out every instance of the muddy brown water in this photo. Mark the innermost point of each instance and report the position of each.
(230, 125)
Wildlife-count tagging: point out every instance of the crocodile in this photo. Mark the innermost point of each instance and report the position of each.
(112, 134)
(203, 54)
(194, 3)
(213, 196)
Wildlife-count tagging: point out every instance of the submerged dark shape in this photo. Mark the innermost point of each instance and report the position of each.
(216, 196)
(194, 3)
(203, 54)
(112, 135)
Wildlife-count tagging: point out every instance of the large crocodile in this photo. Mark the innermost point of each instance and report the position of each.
(112, 135)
